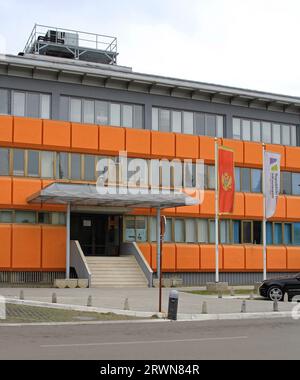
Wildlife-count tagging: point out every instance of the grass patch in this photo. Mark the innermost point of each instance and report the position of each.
(33, 314)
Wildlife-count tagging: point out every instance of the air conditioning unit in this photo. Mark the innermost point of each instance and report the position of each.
(62, 38)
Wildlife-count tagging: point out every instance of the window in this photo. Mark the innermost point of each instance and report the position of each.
(45, 105)
(101, 113)
(141, 229)
(296, 183)
(246, 179)
(75, 110)
(138, 117)
(47, 164)
(6, 217)
(237, 232)
(210, 128)
(33, 167)
(169, 233)
(220, 126)
(4, 161)
(32, 105)
(76, 166)
(62, 166)
(4, 102)
(19, 162)
(293, 135)
(247, 232)
(64, 108)
(179, 231)
(44, 218)
(237, 174)
(18, 103)
(246, 130)
(225, 232)
(191, 231)
(276, 135)
(200, 124)
(89, 168)
(257, 232)
(176, 122)
(212, 232)
(58, 218)
(25, 217)
(202, 231)
(297, 233)
(256, 181)
(155, 119)
(269, 233)
(266, 133)
(256, 131)
(89, 111)
(278, 233)
(153, 230)
(188, 123)
(236, 129)
(288, 234)
(286, 183)
(211, 178)
(286, 135)
(164, 120)
(127, 116)
(115, 115)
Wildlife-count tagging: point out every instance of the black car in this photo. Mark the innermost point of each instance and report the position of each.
(277, 288)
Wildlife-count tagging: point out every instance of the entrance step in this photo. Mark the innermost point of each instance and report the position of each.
(116, 272)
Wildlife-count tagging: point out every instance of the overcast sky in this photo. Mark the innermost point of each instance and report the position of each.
(243, 43)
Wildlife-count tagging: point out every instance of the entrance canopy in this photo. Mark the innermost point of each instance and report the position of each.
(87, 195)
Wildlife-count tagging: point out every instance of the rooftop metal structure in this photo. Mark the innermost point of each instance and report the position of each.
(72, 44)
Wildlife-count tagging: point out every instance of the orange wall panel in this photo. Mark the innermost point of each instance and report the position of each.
(57, 134)
(5, 252)
(84, 137)
(238, 148)
(239, 205)
(5, 191)
(26, 247)
(234, 257)
(163, 145)
(138, 142)
(208, 257)
(187, 146)
(207, 148)
(253, 153)
(253, 206)
(28, 131)
(188, 257)
(278, 149)
(208, 206)
(277, 258)
(53, 247)
(24, 188)
(254, 257)
(169, 257)
(111, 140)
(281, 209)
(292, 158)
(293, 208)
(146, 251)
(293, 255)
(6, 129)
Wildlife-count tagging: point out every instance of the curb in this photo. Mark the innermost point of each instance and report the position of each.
(232, 317)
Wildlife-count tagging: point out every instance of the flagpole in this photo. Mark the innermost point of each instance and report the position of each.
(217, 209)
(264, 217)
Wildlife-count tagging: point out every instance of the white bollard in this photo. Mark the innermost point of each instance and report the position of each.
(90, 302)
(204, 308)
(244, 307)
(232, 292)
(126, 305)
(54, 298)
(275, 306)
(22, 295)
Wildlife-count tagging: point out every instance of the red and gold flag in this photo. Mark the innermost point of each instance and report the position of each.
(226, 181)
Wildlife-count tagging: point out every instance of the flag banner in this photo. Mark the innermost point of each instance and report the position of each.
(226, 181)
(272, 182)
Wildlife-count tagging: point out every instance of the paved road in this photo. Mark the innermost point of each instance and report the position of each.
(268, 339)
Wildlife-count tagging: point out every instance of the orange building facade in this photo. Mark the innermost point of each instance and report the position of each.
(37, 151)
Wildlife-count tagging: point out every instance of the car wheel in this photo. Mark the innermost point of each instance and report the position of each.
(276, 293)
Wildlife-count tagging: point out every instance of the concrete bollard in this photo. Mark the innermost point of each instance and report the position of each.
(275, 306)
(204, 308)
(286, 297)
(251, 297)
(22, 295)
(126, 305)
(232, 292)
(244, 307)
(54, 298)
(220, 295)
(90, 302)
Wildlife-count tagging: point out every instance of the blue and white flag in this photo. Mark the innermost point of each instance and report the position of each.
(272, 182)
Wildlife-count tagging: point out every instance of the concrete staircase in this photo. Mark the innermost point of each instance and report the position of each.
(116, 272)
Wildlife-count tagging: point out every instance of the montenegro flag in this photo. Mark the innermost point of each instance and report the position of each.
(226, 181)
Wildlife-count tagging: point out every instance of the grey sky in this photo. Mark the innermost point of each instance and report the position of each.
(243, 43)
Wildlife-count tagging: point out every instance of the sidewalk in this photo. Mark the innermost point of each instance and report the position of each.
(146, 300)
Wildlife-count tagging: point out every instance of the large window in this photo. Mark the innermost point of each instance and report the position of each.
(191, 123)
(261, 131)
(92, 111)
(32, 217)
(30, 104)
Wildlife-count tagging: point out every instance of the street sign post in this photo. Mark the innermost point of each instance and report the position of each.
(163, 224)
